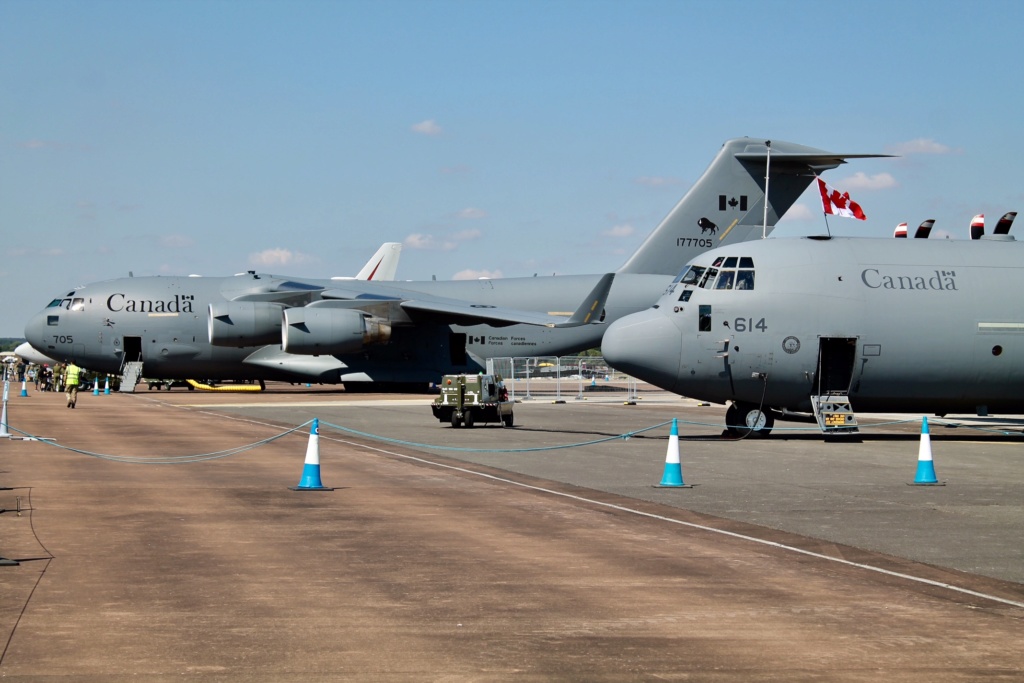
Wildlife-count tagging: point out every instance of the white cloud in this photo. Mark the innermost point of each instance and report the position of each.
(470, 213)
(658, 181)
(470, 274)
(419, 241)
(428, 127)
(279, 257)
(920, 146)
(801, 212)
(862, 181)
(448, 242)
(621, 230)
(465, 235)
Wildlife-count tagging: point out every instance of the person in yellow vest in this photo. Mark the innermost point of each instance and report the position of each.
(71, 375)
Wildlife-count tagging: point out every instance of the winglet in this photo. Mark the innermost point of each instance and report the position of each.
(589, 312)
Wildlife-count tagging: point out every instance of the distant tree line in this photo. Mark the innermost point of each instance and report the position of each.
(9, 343)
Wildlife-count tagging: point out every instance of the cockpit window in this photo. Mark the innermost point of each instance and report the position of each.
(728, 272)
(691, 275)
(68, 304)
(709, 276)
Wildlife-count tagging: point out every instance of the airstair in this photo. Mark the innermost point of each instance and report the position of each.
(834, 414)
(130, 376)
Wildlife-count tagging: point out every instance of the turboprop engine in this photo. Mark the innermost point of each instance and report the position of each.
(320, 330)
(244, 323)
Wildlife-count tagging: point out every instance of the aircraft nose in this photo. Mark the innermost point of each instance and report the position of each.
(35, 330)
(646, 345)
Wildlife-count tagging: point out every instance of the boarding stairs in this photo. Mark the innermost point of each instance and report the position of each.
(834, 414)
(130, 376)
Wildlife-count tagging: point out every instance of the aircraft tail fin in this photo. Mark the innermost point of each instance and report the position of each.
(924, 229)
(900, 231)
(978, 227)
(727, 203)
(1005, 223)
(382, 265)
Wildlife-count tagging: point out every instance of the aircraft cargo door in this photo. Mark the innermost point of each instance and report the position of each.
(836, 359)
(830, 399)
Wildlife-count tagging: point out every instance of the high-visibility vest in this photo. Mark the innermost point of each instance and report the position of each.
(72, 376)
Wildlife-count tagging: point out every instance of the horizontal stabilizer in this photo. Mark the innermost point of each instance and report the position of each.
(817, 160)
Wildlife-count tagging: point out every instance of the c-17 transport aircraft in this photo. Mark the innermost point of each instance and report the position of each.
(406, 335)
(832, 325)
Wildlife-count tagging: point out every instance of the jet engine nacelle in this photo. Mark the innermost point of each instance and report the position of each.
(244, 323)
(314, 331)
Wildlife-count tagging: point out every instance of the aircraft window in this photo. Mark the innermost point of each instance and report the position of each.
(745, 279)
(704, 319)
(78, 304)
(54, 304)
(730, 262)
(746, 262)
(718, 261)
(710, 275)
(685, 296)
(692, 275)
(725, 279)
(52, 320)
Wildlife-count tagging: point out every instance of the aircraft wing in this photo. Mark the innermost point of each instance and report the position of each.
(421, 306)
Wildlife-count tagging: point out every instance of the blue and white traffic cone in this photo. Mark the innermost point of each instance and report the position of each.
(673, 476)
(311, 470)
(925, 465)
(106, 386)
(96, 387)
(4, 434)
(24, 388)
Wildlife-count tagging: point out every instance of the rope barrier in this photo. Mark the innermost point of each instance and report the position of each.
(414, 444)
(202, 457)
(168, 459)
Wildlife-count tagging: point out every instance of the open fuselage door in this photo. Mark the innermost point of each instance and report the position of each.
(131, 363)
(837, 357)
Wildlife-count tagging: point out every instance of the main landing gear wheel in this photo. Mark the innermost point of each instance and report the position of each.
(456, 422)
(747, 418)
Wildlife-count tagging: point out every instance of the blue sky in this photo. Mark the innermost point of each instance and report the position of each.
(493, 138)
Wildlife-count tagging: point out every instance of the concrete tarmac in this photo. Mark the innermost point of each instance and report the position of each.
(790, 558)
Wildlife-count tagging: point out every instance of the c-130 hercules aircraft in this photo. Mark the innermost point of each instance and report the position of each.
(833, 325)
(406, 335)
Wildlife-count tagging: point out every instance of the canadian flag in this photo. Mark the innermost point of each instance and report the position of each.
(837, 204)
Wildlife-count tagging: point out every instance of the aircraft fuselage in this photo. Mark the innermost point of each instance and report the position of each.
(916, 325)
(165, 322)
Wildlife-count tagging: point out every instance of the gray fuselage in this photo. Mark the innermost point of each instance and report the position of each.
(901, 325)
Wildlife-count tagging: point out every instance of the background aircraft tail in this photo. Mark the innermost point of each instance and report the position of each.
(726, 204)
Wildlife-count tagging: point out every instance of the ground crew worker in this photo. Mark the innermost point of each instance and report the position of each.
(71, 383)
